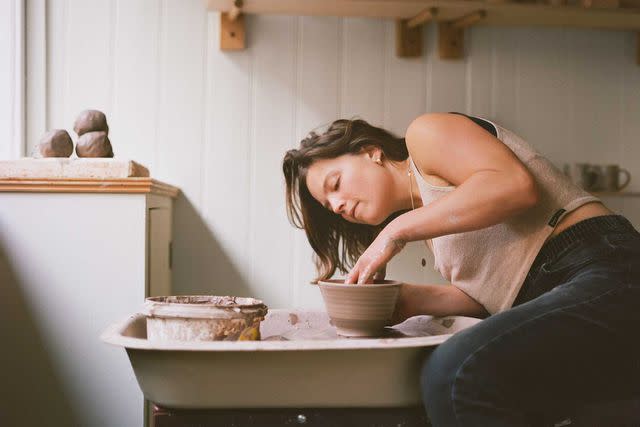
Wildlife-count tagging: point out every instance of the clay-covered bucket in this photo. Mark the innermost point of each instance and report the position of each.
(360, 310)
(203, 318)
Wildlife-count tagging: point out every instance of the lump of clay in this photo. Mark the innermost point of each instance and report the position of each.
(56, 143)
(94, 144)
(90, 121)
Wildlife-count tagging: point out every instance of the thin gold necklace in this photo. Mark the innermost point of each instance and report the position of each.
(410, 183)
(409, 173)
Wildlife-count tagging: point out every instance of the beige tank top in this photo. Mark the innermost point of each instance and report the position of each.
(491, 264)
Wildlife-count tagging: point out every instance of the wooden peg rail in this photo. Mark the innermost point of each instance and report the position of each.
(409, 33)
(451, 34)
(232, 28)
(452, 16)
(422, 17)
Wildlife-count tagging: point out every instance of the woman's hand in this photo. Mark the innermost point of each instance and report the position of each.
(373, 261)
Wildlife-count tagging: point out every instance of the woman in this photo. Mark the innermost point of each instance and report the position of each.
(555, 274)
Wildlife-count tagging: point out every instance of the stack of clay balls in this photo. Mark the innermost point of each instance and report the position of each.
(93, 140)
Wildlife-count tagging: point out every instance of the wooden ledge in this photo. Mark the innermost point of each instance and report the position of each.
(83, 185)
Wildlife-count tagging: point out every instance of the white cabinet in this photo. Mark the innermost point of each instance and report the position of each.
(85, 254)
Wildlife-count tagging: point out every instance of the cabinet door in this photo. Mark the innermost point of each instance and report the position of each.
(159, 251)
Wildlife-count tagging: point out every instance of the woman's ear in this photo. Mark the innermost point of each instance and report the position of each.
(373, 153)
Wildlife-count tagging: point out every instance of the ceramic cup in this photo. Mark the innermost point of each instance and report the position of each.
(612, 178)
(584, 175)
(360, 310)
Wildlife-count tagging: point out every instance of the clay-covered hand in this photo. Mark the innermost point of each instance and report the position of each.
(375, 258)
(381, 273)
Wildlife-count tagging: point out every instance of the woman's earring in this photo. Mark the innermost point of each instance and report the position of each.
(378, 161)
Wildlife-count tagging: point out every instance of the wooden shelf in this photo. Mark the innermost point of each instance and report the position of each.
(86, 185)
(498, 12)
(452, 16)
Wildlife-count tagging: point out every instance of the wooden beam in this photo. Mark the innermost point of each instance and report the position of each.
(231, 32)
(424, 16)
(638, 48)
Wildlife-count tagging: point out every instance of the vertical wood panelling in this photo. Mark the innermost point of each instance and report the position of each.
(596, 73)
(478, 72)
(226, 168)
(56, 30)
(404, 85)
(133, 119)
(36, 57)
(217, 123)
(630, 125)
(362, 92)
(273, 83)
(544, 93)
(179, 145)
(447, 81)
(318, 51)
(504, 75)
(404, 100)
(89, 61)
(7, 79)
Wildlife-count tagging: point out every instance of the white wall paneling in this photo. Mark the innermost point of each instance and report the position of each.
(317, 103)
(36, 59)
(217, 123)
(12, 78)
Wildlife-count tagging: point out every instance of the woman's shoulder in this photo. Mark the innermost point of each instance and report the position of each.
(421, 139)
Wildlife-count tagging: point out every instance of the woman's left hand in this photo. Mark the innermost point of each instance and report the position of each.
(375, 258)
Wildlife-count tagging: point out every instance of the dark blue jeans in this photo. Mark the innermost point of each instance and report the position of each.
(571, 338)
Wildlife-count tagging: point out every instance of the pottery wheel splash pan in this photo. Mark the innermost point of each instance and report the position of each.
(300, 362)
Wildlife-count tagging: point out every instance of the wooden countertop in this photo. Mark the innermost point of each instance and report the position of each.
(88, 185)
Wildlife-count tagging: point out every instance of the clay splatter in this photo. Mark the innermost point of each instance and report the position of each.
(293, 318)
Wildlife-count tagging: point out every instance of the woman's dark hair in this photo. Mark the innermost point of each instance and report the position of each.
(337, 243)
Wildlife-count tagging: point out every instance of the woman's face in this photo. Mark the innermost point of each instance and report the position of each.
(354, 186)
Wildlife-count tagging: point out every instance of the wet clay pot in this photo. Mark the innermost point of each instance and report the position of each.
(360, 310)
(203, 318)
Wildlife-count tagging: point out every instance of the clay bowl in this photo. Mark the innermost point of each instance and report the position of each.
(360, 310)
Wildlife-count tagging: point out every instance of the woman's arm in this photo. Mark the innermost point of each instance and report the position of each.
(492, 183)
(435, 300)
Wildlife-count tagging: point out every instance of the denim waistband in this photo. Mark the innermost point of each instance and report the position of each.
(585, 230)
(582, 231)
